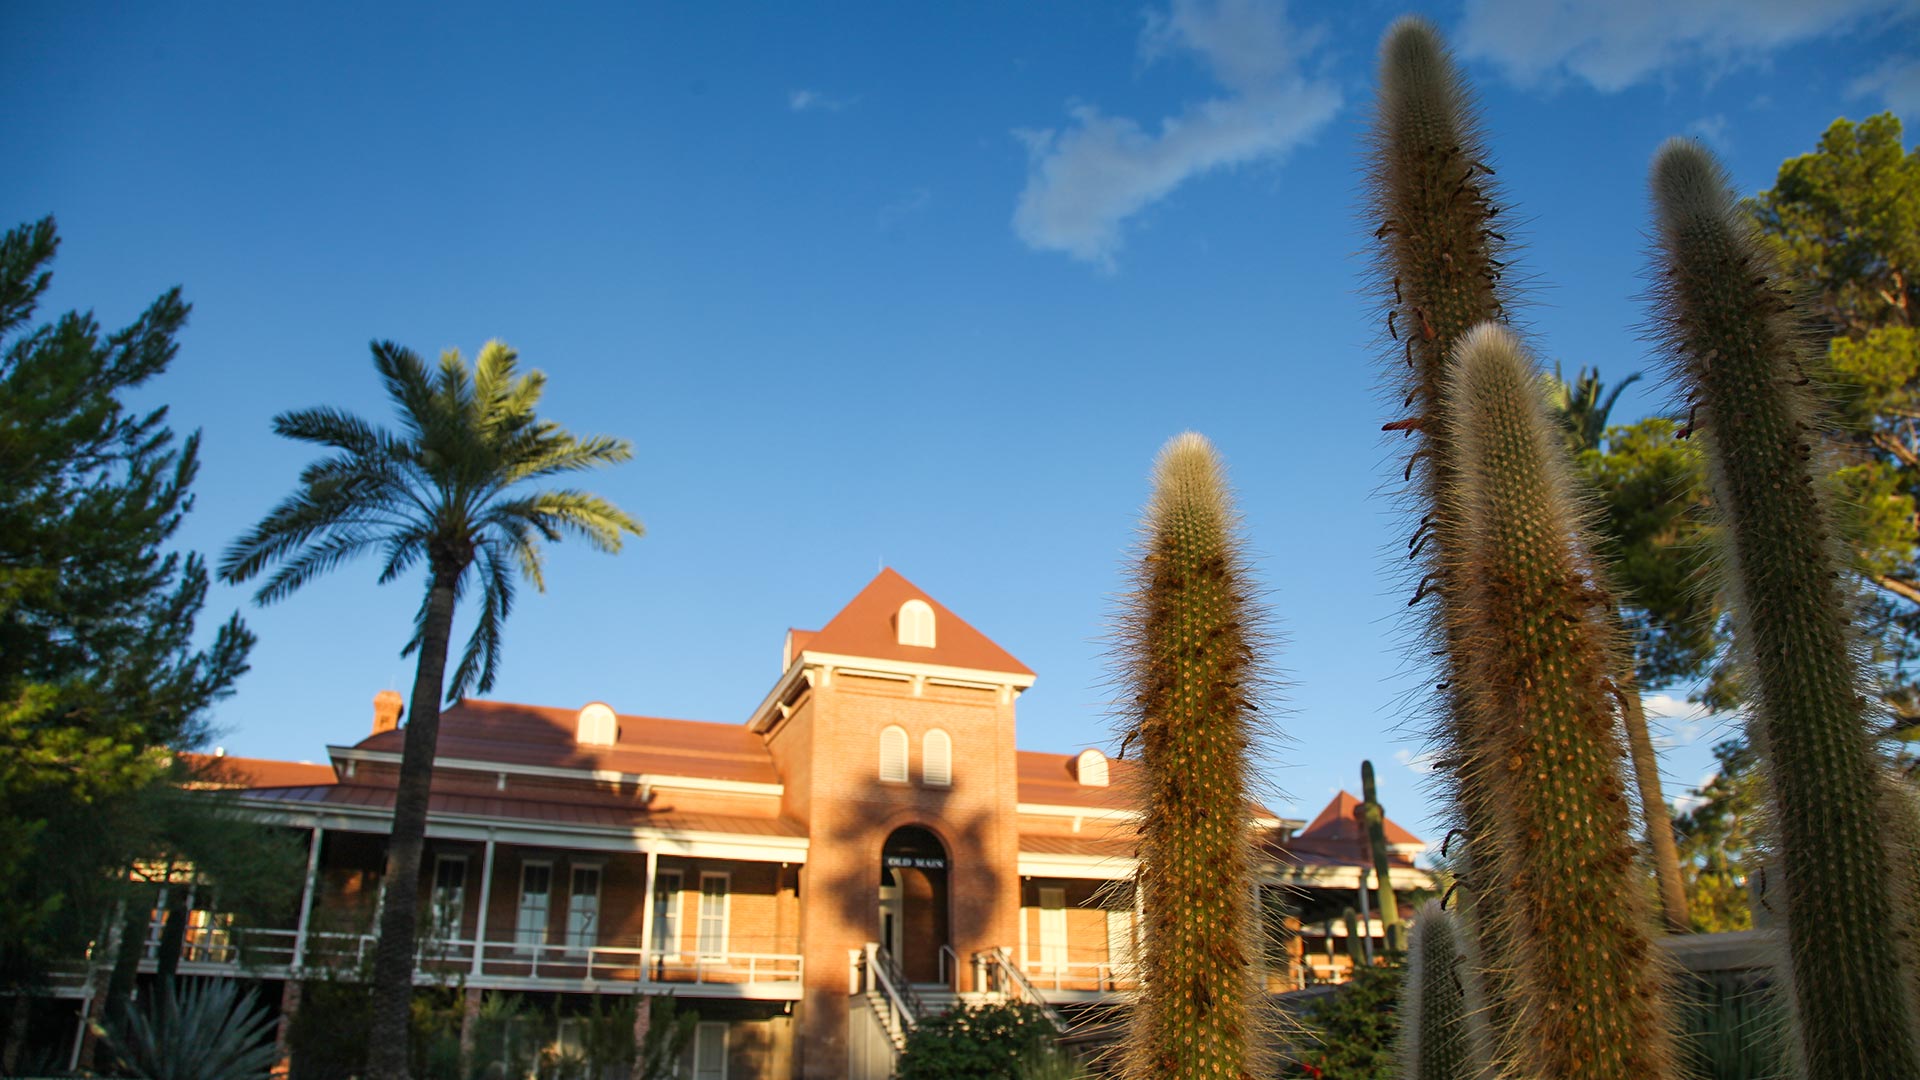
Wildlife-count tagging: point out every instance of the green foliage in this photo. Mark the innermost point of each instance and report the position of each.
(1581, 410)
(1733, 338)
(1441, 268)
(211, 1030)
(1442, 1030)
(1540, 650)
(1191, 666)
(1718, 839)
(99, 676)
(978, 1041)
(1353, 1032)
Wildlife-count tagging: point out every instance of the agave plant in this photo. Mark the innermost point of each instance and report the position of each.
(211, 1030)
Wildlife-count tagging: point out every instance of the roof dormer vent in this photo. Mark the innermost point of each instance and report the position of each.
(915, 624)
(598, 725)
(1090, 768)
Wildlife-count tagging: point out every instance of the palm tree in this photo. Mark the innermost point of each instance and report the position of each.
(1579, 408)
(447, 493)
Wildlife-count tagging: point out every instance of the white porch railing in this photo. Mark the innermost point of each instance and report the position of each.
(272, 952)
(994, 972)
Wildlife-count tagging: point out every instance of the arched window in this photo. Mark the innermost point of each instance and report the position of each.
(598, 726)
(915, 624)
(936, 759)
(893, 754)
(1090, 768)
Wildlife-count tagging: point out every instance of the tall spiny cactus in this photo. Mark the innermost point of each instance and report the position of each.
(1442, 1031)
(1439, 267)
(1589, 997)
(1733, 336)
(1191, 667)
(1374, 817)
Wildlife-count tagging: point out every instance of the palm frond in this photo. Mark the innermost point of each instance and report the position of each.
(328, 426)
(479, 662)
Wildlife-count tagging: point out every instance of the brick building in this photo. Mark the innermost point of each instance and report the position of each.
(868, 846)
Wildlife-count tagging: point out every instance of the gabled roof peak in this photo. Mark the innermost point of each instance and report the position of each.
(870, 627)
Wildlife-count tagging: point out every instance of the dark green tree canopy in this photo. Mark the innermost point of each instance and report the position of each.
(99, 676)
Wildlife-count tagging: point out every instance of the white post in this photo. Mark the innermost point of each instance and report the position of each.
(298, 960)
(646, 923)
(1366, 916)
(486, 900)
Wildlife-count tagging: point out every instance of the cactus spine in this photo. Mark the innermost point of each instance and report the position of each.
(1442, 1036)
(1374, 817)
(1439, 267)
(1588, 995)
(1190, 663)
(1733, 338)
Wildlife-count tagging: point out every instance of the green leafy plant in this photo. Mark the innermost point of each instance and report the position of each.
(212, 1030)
(978, 1041)
(1733, 337)
(1190, 663)
(1351, 1033)
(1540, 649)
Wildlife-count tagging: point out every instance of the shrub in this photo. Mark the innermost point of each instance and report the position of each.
(977, 1042)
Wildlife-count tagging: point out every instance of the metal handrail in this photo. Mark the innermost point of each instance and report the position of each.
(902, 1008)
(896, 977)
(1022, 989)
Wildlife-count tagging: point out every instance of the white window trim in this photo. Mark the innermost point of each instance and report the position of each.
(905, 744)
(927, 759)
(668, 943)
(444, 933)
(709, 1025)
(520, 942)
(726, 915)
(914, 624)
(1053, 946)
(599, 868)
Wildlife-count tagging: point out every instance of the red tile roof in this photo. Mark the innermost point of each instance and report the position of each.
(1337, 836)
(509, 734)
(622, 814)
(238, 772)
(865, 627)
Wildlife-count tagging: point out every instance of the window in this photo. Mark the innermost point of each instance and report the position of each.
(936, 758)
(583, 909)
(1090, 768)
(893, 754)
(713, 916)
(915, 624)
(449, 902)
(536, 884)
(598, 726)
(666, 912)
(710, 1052)
(1053, 928)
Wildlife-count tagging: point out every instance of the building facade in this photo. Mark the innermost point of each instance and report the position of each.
(868, 846)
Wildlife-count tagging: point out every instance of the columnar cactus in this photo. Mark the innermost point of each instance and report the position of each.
(1191, 667)
(1733, 337)
(1442, 1030)
(1374, 817)
(1588, 994)
(1439, 267)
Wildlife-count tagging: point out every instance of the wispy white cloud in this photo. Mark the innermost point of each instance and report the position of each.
(815, 101)
(1084, 180)
(1712, 130)
(1896, 83)
(1676, 721)
(1614, 45)
(913, 202)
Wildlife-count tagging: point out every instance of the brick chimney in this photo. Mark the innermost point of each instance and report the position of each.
(387, 707)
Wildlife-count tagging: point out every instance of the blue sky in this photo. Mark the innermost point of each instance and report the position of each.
(907, 284)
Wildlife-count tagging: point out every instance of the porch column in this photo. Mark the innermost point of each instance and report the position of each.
(298, 960)
(646, 924)
(480, 919)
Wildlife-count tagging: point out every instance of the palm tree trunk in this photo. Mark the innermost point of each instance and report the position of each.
(173, 932)
(393, 954)
(1653, 804)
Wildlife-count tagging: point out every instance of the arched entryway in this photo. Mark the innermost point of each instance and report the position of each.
(913, 902)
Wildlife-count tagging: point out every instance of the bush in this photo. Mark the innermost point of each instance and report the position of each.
(1352, 1030)
(208, 1031)
(978, 1042)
